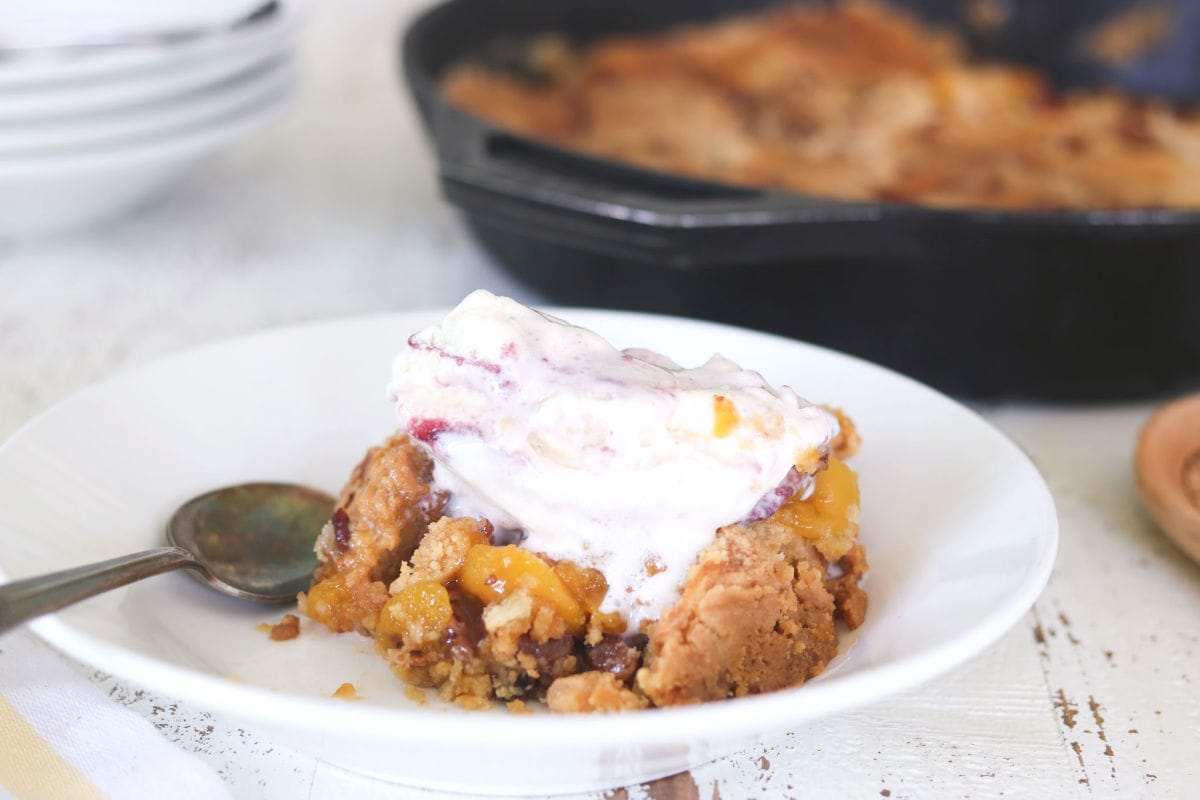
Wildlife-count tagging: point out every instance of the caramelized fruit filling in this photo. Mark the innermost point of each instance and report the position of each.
(418, 613)
(493, 573)
(828, 517)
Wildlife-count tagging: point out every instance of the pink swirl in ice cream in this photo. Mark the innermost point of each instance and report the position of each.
(612, 459)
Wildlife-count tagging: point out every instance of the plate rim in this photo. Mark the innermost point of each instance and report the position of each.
(155, 120)
(54, 66)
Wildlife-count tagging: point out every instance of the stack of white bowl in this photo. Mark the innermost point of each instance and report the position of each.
(98, 115)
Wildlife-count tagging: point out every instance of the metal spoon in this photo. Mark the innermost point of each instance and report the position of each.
(254, 540)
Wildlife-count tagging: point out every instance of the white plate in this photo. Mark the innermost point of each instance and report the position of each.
(61, 191)
(70, 100)
(46, 68)
(165, 119)
(30, 26)
(960, 530)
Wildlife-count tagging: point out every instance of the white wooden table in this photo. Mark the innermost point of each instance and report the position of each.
(1091, 695)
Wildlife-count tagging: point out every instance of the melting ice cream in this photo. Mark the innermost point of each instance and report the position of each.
(619, 460)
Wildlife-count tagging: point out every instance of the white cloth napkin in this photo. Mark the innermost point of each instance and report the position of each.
(61, 738)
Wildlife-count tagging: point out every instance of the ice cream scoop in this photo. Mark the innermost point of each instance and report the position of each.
(621, 460)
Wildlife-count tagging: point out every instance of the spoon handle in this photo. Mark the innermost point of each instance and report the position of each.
(23, 600)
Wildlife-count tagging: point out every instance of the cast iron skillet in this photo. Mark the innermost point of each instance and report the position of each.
(1049, 305)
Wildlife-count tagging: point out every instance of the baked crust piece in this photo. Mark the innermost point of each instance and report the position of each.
(382, 513)
(592, 691)
(755, 615)
(849, 598)
(847, 441)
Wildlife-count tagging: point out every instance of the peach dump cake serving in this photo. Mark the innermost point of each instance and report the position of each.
(602, 529)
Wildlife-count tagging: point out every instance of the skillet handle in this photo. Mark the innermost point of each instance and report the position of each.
(601, 206)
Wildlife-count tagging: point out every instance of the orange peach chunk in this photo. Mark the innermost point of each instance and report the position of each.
(725, 416)
(829, 517)
(492, 573)
(418, 613)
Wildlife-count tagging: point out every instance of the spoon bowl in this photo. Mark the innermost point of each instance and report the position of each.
(252, 540)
